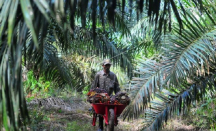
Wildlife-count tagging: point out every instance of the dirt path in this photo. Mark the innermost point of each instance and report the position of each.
(56, 114)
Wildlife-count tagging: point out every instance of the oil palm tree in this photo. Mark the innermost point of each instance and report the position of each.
(26, 30)
(38, 44)
(184, 55)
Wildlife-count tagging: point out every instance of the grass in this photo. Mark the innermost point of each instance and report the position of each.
(79, 126)
(52, 120)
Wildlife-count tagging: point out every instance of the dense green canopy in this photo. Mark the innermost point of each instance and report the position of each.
(37, 33)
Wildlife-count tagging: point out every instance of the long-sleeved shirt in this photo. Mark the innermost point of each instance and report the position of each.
(108, 82)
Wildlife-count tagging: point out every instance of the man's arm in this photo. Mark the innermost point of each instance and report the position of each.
(95, 83)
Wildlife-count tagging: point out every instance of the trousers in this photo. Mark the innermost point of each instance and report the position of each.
(101, 122)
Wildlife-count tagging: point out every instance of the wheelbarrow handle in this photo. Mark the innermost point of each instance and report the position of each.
(115, 118)
(94, 119)
(106, 116)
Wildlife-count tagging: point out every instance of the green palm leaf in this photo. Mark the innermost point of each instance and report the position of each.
(28, 16)
(167, 104)
(47, 60)
(33, 18)
(11, 82)
(142, 87)
(121, 25)
(189, 51)
(104, 47)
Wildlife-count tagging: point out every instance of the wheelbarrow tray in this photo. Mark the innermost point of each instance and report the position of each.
(100, 108)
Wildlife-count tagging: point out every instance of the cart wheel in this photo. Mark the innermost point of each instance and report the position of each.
(111, 117)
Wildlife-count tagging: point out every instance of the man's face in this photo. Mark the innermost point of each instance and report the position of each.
(106, 67)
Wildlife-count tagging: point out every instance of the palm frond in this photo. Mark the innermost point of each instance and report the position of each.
(191, 48)
(142, 87)
(54, 67)
(170, 104)
(121, 25)
(82, 69)
(16, 15)
(183, 58)
(151, 7)
(47, 60)
(116, 55)
(13, 104)
(61, 36)
(105, 47)
(143, 37)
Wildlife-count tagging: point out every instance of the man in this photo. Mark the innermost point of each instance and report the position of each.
(107, 80)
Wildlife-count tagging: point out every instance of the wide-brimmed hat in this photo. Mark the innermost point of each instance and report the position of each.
(107, 62)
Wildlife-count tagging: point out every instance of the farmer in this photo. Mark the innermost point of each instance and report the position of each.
(107, 80)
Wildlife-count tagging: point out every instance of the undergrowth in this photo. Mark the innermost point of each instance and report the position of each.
(205, 116)
(79, 126)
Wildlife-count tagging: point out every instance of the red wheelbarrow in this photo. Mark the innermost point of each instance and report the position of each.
(109, 113)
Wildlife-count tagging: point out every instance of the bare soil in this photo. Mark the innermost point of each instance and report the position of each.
(62, 115)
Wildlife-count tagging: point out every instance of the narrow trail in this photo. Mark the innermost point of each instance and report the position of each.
(61, 112)
(73, 115)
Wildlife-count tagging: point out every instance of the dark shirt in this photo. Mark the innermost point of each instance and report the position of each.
(108, 82)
